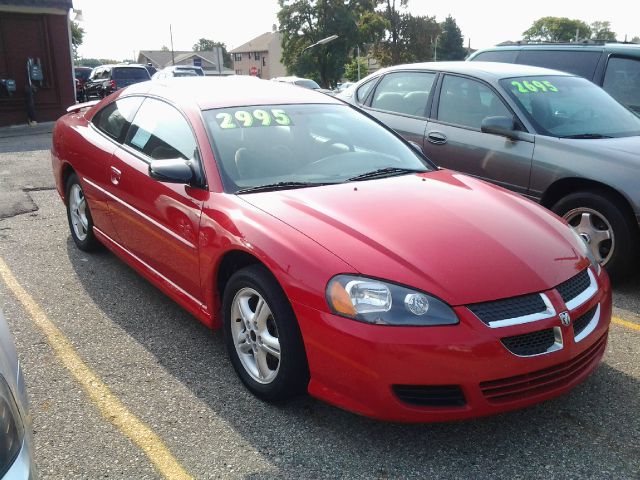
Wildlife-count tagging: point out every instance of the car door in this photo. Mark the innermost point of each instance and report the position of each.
(453, 138)
(103, 135)
(400, 101)
(622, 81)
(158, 222)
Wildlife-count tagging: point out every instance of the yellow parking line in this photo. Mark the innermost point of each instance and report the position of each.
(111, 408)
(625, 323)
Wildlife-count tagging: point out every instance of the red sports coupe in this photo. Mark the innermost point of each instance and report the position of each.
(335, 256)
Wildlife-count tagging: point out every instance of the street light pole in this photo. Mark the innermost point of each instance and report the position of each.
(358, 48)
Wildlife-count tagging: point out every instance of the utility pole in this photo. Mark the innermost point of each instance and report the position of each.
(173, 60)
(358, 47)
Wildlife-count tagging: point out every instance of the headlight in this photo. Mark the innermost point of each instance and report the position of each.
(586, 251)
(374, 301)
(11, 428)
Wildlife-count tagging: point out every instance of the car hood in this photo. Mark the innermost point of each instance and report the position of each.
(453, 236)
(626, 145)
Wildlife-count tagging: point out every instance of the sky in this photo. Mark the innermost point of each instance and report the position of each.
(127, 26)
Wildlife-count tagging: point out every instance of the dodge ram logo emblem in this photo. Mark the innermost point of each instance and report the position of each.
(565, 318)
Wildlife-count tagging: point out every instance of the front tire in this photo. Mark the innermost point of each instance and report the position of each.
(262, 336)
(599, 218)
(79, 216)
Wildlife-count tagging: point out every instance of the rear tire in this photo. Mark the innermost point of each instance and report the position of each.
(596, 214)
(262, 336)
(79, 216)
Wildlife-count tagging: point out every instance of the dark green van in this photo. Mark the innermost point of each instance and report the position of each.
(613, 66)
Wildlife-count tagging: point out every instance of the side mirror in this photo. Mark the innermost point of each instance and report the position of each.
(175, 170)
(504, 126)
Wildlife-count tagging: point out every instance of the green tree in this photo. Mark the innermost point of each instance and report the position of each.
(351, 69)
(635, 39)
(77, 35)
(419, 33)
(556, 29)
(602, 31)
(206, 45)
(164, 48)
(304, 22)
(451, 43)
(94, 62)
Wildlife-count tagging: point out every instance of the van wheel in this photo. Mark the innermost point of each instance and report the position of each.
(262, 336)
(599, 219)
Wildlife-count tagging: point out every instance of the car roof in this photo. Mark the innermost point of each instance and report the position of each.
(228, 91)
(627, 48)
(483, 70)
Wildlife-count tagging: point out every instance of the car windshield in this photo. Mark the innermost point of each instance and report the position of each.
(277, 145)
(130, 73)
(306, 83)
(82, 74)
(571, 107)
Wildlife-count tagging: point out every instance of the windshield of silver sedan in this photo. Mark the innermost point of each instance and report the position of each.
(270, 147)
(571, 107)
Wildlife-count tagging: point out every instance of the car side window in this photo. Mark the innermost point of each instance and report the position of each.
(467, 102)
(404, 92)
(505, 56)
(115, 118)
(578, 62)
(161, 132)
(364, 89)
(622, 81)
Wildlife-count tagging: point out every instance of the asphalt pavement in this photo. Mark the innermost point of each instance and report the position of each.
(172, 374)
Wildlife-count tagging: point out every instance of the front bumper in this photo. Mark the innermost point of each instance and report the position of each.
(354, 365)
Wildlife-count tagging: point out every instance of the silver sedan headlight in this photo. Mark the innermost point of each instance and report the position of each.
(11, 428)
(383, 303)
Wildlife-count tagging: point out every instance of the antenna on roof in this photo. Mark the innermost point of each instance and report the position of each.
(173, 60)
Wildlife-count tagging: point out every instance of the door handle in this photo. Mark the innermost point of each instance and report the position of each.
(115, 175)
(437, 138)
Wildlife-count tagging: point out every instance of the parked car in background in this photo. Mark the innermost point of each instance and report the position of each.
(170, 72)
(613, 66)
(81, 75)
(16, 443)
(106, 79)
(337, 259)
(304, 83)
(551, 136)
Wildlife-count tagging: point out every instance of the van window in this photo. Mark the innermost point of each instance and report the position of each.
(581, 63)
(505, 56)
(622, 81)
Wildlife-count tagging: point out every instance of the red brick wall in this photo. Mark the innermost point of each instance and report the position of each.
(46, 37)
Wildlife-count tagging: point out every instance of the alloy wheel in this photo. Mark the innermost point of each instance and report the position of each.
(596, 231)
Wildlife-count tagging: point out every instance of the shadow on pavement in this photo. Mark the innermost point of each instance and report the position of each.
(591, 433)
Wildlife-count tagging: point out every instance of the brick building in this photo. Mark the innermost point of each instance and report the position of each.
(37, 29)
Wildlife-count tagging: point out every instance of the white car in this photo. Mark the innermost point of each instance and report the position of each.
(16, 444)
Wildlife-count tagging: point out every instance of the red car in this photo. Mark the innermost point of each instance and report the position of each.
(336, 258)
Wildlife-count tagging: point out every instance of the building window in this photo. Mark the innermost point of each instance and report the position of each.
(256, 55)
(238, 72)
(264, 61)
(197, 62)
(237, 57)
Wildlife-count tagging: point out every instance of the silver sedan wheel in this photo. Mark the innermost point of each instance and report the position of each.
(78, 211)
(596, 231)
(255, 335)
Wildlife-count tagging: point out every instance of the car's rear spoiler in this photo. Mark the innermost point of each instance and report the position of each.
(79, 106)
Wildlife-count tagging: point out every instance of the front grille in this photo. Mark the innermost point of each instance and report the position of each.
(523, 386)
(431, 395)
(581, 323)
(508, 308)
(574, 286)
(533, 343)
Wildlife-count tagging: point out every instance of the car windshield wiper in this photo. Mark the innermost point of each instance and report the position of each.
(587, 135)
(281, 186)
(386, 172)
